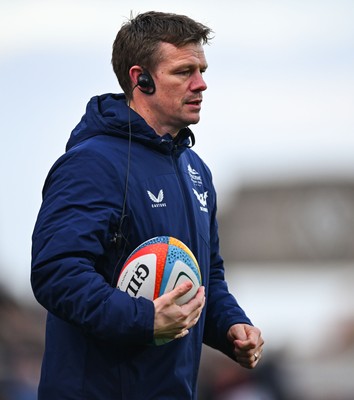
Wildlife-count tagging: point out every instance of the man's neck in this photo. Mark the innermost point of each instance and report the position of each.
(144, 111)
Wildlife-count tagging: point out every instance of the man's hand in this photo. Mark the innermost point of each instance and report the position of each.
(173, 321)
(248, 344)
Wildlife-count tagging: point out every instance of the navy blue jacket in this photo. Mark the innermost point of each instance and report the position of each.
(99, 339)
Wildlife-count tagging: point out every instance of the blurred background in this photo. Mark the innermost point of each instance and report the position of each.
(277, 130)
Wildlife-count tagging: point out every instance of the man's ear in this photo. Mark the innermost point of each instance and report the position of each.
(134, 73)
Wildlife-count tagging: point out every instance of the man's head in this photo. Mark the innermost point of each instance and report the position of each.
(138, 42)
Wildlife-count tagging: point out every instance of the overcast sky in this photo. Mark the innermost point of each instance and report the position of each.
(280, 101)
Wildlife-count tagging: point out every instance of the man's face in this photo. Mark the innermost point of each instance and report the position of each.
(179, 86)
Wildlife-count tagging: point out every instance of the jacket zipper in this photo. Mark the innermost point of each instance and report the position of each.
(182, 187)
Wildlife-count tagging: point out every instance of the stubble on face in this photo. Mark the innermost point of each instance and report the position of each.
(179, 83)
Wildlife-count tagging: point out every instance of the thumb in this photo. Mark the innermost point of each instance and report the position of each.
(238, 336)
(180, 290)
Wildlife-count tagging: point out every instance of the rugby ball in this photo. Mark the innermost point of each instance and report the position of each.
(156, 267)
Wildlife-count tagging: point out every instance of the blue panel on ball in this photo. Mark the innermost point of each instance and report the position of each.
(172, 256)
(176, 253)
(157, 239)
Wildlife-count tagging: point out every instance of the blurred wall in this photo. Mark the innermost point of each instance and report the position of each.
(289, 260)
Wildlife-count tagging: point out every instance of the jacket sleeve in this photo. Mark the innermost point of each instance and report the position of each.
(223, 310)
(81, 198)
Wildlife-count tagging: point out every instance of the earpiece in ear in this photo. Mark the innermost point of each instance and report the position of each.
(146, 83)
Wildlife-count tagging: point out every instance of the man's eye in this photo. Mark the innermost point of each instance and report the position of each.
(185, 72)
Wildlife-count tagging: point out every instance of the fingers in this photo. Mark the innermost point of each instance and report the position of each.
(248, 344)
(194, 307)
(174, 321)
(180, 290)
(192, 312)
(182, 334)
(198, 301)
(249, 359)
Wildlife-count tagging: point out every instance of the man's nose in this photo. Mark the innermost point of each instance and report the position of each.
(198, 83)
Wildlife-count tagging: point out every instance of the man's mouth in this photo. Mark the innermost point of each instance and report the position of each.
(196, 102)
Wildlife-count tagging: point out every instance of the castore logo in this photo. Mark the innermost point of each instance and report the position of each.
(157, 201)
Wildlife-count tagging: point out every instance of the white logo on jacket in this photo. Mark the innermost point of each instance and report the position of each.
(194, 175)
(156, 201)
(202, 198)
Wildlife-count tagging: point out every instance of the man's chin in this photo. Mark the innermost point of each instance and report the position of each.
(194, 120)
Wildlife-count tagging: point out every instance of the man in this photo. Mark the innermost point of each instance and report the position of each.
(96, 210)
